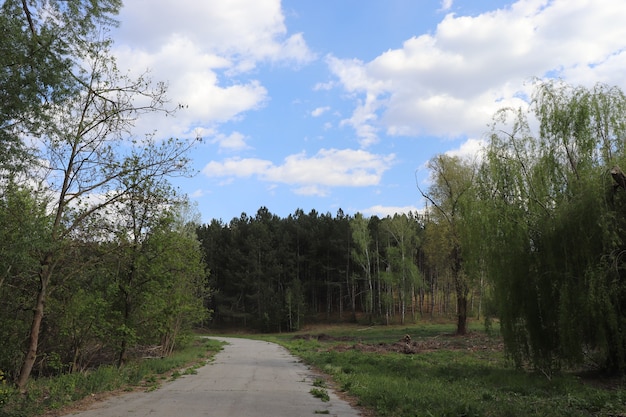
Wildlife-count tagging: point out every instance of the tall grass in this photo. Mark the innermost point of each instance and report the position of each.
(53, 393)
(463, 381)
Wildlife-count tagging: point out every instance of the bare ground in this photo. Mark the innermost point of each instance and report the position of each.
(468, 342)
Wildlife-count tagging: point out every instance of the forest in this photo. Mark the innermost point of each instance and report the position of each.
(101, 258)
(276, 274)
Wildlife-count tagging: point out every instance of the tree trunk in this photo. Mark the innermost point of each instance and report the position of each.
(121, 358)
(33, 339)
(461, 303)
(433, 294)
(462, 291)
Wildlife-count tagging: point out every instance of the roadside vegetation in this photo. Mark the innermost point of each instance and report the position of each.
(66, 392)
(426, 370)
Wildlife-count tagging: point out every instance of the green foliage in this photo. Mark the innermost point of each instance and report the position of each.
(7, 392)
(24, 228)
(555, 228)
(40, 44)
(449, 243)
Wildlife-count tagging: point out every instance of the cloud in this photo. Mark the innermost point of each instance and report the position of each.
(319, 111)
(237, 167)
(236, 141)
(471, 150)
(451, 82)
(312, 191)
(327, 168)
(446, 5)
(384, 211)
(204, 50)
(197, 193)
(244, 31)
(193, 82)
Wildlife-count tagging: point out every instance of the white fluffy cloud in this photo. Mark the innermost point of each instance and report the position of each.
(327, 168)
(236, 141)
(450, 82)
(247, 31)
(205, 50)
(471, 149)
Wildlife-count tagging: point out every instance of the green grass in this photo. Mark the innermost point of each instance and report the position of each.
(54, 393)
(449, 376)
(320, 393)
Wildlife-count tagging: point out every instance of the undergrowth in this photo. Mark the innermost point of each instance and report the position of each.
(45, 394)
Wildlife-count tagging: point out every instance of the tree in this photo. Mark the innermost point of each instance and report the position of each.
(401, 256)
(451, 196)
(24, 236)
(177, 284)
(38, 49)
(135, 218)
(361, 255)
(555, 226)
(436, 249)
(88, 152)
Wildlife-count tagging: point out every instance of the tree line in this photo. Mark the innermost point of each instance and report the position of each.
(275, 274)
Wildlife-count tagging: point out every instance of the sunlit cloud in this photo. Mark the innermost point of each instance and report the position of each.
(384, 211)
(329, 167)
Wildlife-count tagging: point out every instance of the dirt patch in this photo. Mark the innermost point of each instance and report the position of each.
(470, 342)
(323, 337)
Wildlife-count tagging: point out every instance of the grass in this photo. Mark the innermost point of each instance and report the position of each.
(320, 393)
(46, 394)
(447, 376)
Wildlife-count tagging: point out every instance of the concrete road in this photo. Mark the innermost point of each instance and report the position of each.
(247, 378)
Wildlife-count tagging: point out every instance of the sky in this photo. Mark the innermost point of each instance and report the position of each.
(327, 105)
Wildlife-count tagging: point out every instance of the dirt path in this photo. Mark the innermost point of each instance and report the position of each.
(247, 378)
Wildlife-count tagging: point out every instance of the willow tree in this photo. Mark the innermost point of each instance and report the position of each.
(86, 146)
(451, 196)
(555, 228)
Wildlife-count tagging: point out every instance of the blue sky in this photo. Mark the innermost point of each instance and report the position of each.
(332, 105)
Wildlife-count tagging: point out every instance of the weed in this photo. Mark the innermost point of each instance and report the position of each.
(191, 371)
(320, 393)
(319, 382)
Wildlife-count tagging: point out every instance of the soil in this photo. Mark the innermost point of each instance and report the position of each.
(469, 342)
